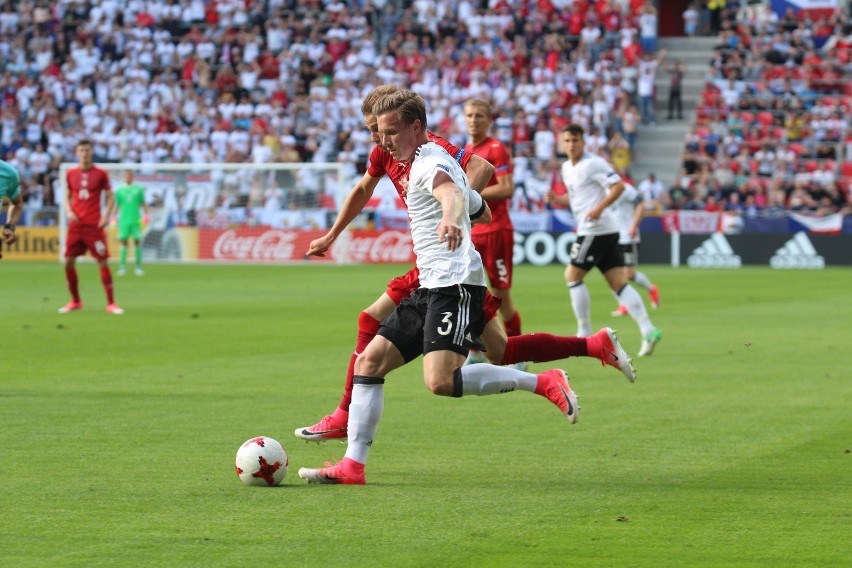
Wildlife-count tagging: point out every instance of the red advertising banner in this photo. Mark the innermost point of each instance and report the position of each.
(265, 244)
(377, 247)
(691, 222)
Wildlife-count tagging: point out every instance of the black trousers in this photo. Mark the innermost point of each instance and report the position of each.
(674, 100)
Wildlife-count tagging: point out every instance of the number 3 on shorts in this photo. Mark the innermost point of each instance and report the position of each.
(446, 320)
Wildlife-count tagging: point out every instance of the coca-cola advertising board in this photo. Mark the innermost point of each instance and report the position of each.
(265, 244)
(376, 247)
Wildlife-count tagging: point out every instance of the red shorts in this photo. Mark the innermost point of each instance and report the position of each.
(81, 238)
(403, 286)
(496, 249)
(491, 305)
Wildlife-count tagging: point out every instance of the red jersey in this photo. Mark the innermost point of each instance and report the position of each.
(495, 152)
(86, 188)
(382, 163)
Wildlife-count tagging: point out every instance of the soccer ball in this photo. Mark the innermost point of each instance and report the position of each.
(261, 461)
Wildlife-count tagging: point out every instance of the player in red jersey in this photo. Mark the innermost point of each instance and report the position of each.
(533, 347)
(86, 185)
(494, 241)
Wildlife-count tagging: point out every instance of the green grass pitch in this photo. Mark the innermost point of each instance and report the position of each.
(118, 434)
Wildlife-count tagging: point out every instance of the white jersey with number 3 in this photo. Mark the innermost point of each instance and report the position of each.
(588, 182)
(438, 266)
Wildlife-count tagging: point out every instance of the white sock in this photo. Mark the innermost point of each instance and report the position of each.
(636, 308)
(640, 279)
(483, 379)
(365, 411)
(582, 304)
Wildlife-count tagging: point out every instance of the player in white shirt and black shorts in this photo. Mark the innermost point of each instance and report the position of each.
(593, 186)
(445, 313)
(629, 210)
(443, 318)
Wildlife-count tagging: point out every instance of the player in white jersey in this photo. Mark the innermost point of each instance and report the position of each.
(443, 319)
(439, 267)
(629, 210)
(593, 186)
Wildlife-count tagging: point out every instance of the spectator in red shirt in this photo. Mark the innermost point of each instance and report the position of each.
(711, 205)
(632, 52)
(576, 19)
(226, 79)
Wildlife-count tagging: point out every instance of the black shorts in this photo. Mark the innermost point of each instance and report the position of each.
(437, 319)
(602, 251)
(630, 253)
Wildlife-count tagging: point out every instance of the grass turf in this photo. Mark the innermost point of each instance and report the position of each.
(117, 434)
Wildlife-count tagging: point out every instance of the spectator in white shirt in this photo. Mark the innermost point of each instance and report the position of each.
(652, 191)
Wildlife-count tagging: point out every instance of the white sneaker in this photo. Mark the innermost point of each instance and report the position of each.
(474, 356)
(138, 270)
(520, 366)
(649, 342)
(121, 271)
(114, 309)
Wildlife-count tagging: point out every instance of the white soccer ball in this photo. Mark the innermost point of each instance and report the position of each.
(261, 461)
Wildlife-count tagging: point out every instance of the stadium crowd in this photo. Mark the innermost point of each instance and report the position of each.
(249, 81)
(235, 81)
(772, 129)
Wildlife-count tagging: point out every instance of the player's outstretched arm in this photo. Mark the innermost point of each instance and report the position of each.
(479, 172)
(354, 204)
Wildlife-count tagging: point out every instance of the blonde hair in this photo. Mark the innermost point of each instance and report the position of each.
(375, 95)
(482, 103)
(409, 105)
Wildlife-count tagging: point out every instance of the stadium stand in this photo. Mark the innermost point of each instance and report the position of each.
(771, 131)
(281, 80)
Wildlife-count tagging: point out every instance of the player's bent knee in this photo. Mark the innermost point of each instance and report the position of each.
(440, 384)
(367, 365)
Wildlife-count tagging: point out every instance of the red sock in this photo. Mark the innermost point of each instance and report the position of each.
(106, 279)
(540, 347)
(368, 326)
(513, 325)
(73, 283)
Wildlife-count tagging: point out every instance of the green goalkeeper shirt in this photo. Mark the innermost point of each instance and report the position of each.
(129, 200)
(9, 182)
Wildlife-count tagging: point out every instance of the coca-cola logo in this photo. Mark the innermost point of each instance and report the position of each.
(387, 246)
(268, 246)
